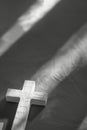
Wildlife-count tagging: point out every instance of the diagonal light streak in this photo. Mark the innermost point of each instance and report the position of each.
(36, 13)
(25, 22)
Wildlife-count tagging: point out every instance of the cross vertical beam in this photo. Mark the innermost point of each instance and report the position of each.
(25, 97)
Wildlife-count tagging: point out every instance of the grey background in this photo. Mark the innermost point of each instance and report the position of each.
(67, 106)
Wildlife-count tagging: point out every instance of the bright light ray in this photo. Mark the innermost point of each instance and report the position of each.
(34, 14)
(72, 56)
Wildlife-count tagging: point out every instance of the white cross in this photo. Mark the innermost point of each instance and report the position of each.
(25, 97)
(3, 124)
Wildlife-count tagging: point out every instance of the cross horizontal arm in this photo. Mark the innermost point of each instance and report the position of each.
(13, 95)
(39, 98)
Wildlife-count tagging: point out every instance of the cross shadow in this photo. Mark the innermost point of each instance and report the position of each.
(8, 110)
